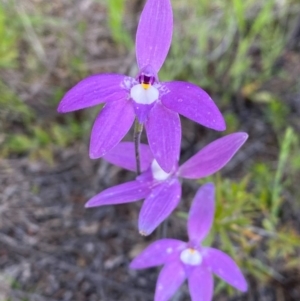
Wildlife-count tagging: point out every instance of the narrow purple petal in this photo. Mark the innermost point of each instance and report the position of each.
(93, 90)
(154, 34)
(201, 284)
(111, 125)
(123, 155)
(157, 253)
(164, 135)
(142, 111)
(225, 268)
(201, 214)
(146, 176)
(169, 280)
(124, 193)
(163, 199)
(212, 157)
(194, 103)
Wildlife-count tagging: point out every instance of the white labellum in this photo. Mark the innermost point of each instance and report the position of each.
(157, 172)
(191, 257)
(143, 95)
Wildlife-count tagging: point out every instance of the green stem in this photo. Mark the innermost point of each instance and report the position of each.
(138, 129)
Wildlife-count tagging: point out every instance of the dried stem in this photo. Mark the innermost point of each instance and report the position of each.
(138, 129)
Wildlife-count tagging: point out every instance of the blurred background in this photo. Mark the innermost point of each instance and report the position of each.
(246, 54)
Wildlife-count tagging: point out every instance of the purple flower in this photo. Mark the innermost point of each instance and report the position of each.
(162, 190)
(156, 104)
(191, 260)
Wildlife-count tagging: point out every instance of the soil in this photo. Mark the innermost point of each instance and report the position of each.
(51, 247)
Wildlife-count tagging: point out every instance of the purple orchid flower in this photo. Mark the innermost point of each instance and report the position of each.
(162, 190)
(155, 104)
(191, 260)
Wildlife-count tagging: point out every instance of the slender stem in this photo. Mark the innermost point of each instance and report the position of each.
(138, 129)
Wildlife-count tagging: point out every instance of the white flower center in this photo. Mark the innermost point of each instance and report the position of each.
(144, 94)
(191, 256)
(157, 172)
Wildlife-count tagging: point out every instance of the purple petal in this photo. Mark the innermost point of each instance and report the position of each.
(92, 91)
(169, 280)
(157, 253)
(164, 135)
(111, 125)
(146, 176)
(142, 111)
(123, 155)
(201, 284)
(158, 205)
(194, 103)
(213, 156)
(124, 193)
(201, 214)
(154, 34)
(224, 267)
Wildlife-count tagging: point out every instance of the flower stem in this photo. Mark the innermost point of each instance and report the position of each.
(138, 129)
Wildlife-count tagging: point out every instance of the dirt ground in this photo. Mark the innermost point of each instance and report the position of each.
(51, 247)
